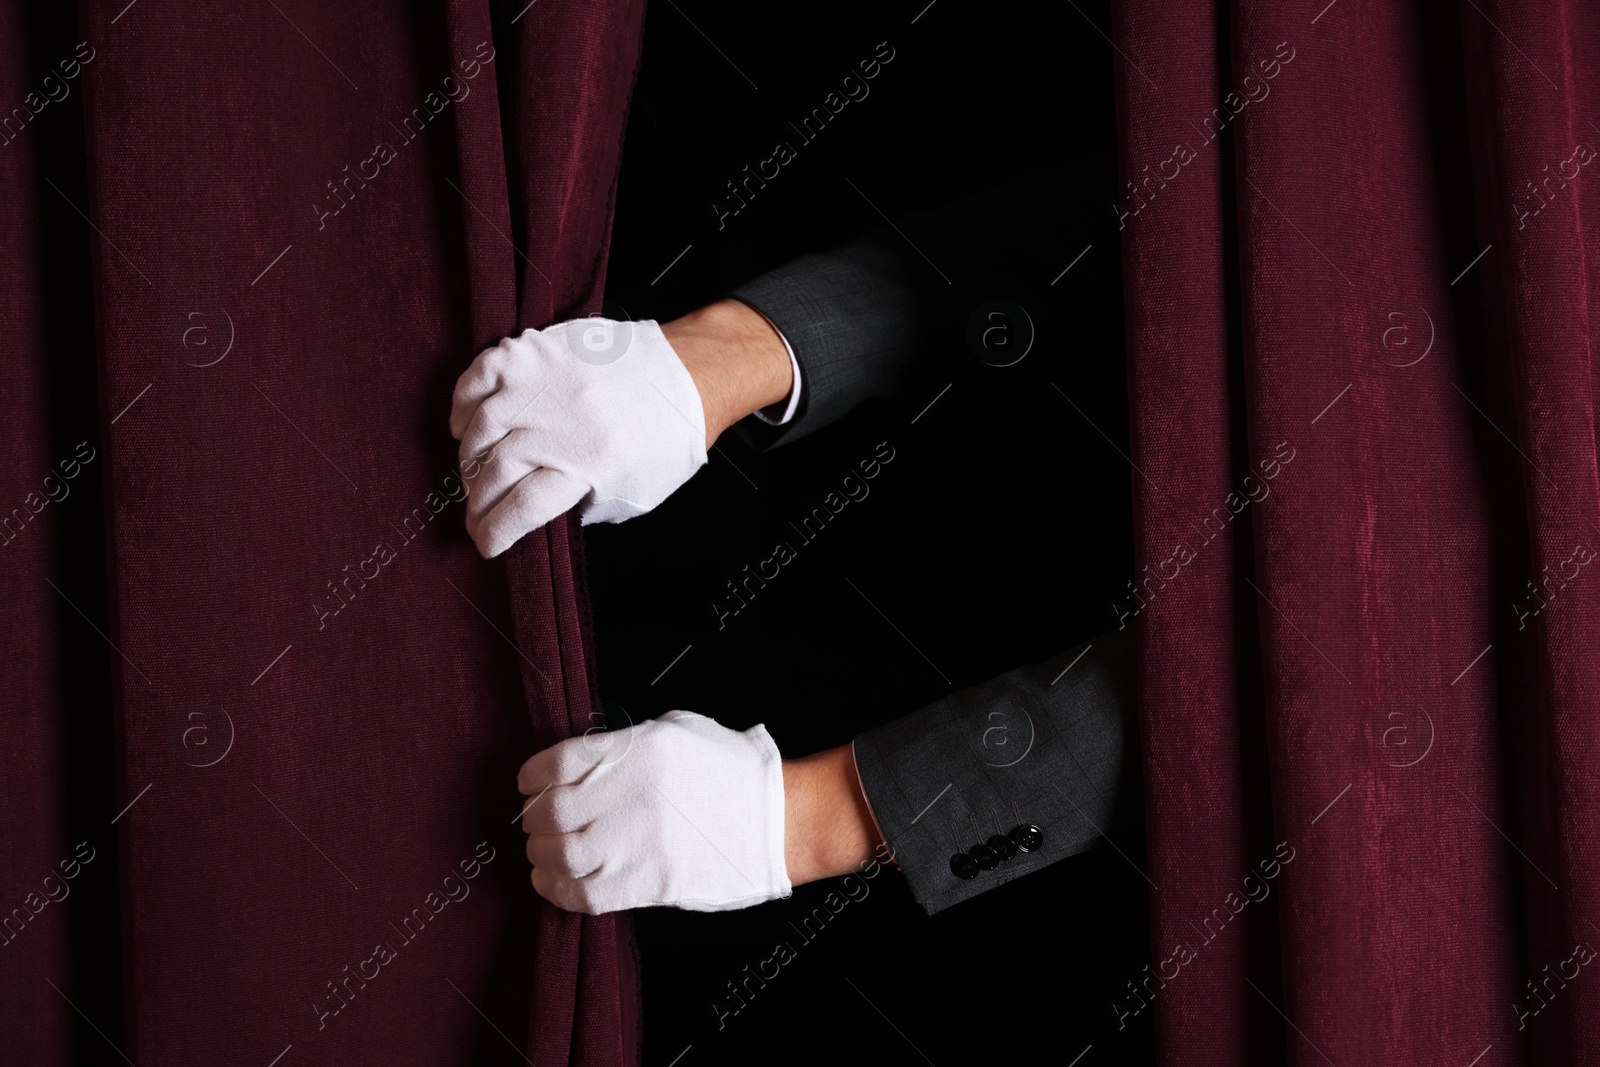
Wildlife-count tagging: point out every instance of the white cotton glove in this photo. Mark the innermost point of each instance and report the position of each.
(595, 414)
(677, 811)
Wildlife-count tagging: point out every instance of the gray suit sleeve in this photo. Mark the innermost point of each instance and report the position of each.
(1051, 746)
(860, 316)
(855, 323)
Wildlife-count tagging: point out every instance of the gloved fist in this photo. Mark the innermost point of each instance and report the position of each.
(592, 413)
(677, 811)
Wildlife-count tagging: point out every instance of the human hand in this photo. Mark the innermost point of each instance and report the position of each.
(677, 811)
(592, 413)
(617, 432)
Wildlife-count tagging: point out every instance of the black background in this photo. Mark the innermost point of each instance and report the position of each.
(995, 538)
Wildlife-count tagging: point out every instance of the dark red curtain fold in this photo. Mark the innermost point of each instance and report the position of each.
(34, 928)
(565, 139)
(304, 222)
(1358, 245)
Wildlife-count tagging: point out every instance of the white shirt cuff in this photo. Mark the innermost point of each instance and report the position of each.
(794, 391)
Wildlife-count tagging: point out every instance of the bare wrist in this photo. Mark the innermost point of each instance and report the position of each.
(828, 828)
(737, 359)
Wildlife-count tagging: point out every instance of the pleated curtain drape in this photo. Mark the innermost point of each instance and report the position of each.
(1357, 248)
(306, 219)
(35, 935)
(1359, 267)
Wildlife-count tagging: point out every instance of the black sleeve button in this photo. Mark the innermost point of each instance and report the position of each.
(1002, 845)
(1027, 837)
(984, 856)
(963, 866)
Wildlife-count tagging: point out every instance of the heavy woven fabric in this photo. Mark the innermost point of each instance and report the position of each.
(307, 219)
(1359, 315)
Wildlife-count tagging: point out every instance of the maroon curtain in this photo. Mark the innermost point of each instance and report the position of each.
(577, 64)
(1357, 243)
(307, 218)
(34, 934)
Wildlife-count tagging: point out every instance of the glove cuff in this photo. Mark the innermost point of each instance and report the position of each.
(686, 399)
(776, 874)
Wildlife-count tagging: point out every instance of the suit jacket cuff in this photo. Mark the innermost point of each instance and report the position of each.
(852, 322)
(1052, 745)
